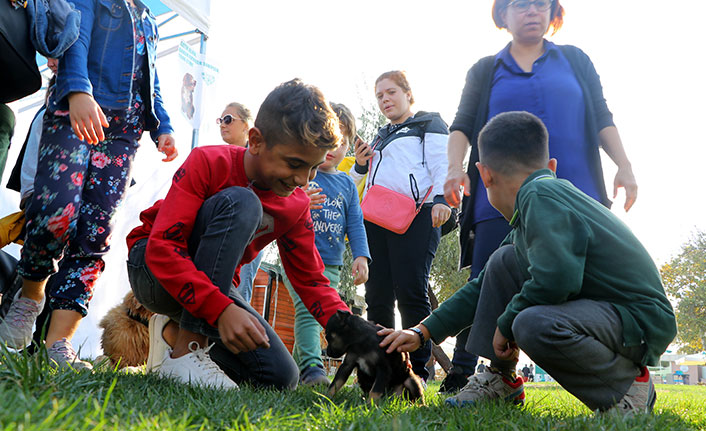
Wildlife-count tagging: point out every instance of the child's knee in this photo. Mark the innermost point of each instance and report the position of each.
(530, 328)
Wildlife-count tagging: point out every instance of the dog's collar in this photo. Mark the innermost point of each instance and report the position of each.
(137, 318)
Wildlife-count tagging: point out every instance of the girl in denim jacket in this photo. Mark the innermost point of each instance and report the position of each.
(107, 93)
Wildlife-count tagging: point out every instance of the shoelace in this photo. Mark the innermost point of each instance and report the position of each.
(24, 308)
(480, 383)
(204, 360)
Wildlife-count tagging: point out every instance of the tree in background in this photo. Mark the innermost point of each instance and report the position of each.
(684, 280)
(445, 276)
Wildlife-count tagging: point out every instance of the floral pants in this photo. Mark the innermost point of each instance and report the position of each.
(77, 190)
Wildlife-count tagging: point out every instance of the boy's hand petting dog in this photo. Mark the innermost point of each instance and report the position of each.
(402, 340)
(504, 348)
(240, 331)
(359, 270)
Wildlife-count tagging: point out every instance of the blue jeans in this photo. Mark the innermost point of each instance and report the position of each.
(247, 277)
(216, 247)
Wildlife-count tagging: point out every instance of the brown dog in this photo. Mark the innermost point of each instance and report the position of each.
(126, 338)
(379, 373)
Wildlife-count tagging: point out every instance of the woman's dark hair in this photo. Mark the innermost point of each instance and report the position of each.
(556, 16)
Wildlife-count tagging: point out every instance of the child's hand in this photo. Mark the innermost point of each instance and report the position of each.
(455, 180)
(87, 118)
(359, 270)
(240, 331)
(167, 145)
(402, 340)
(505, 349)
(316, 198)
(363, 153)
(439, 214)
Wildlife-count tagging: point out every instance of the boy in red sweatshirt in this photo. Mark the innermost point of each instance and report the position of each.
(225, 204)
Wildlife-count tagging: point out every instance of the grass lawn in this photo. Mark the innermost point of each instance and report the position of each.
(36, 397)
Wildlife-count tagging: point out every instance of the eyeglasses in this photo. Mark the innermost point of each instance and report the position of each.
(227, 119)
(524, 5)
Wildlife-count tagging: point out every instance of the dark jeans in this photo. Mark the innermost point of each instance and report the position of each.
(489, 235)
(223, 228)
(400, 271)
(579, 343)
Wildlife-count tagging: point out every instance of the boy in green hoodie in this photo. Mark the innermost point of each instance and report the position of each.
(571, 286)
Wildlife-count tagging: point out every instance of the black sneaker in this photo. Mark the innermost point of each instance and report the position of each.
(453, 382)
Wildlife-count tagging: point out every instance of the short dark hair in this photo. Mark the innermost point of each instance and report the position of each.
(556, 18)
(298, 112)
(514, 141)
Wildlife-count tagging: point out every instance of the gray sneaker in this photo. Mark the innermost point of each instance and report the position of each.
(16, 327)
(313, 375)
(62, 355)
(488, 386)
(640, 398)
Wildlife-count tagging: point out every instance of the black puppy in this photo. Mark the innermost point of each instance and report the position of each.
(379, 373)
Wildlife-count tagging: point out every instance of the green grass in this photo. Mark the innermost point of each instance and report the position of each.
(35, 397)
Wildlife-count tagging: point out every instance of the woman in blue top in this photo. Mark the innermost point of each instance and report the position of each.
(107, 93)
(559, 85)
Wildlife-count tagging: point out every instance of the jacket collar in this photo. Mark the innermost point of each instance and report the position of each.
(538, 175)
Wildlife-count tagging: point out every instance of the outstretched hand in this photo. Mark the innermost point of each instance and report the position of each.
(401, 340)
(240, 331)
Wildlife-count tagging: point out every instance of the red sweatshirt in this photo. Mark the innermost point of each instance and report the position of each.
(169, 222)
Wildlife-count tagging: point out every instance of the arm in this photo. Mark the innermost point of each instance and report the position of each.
(556, 253)
(613, 146)
(608, 133)
(456, 177)
(165, 126)
(166, 253)
(355, 230)
(305, 270)
(436, 141)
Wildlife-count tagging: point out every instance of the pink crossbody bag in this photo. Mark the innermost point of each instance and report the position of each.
(390, 209)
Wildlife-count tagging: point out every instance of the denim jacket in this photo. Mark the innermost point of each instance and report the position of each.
(101, 62)
(54, 26)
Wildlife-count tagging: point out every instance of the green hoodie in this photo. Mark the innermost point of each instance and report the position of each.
(571, 247)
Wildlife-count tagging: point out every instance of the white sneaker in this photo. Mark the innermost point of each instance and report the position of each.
(16, 327)
(158, 347)
(196, 369)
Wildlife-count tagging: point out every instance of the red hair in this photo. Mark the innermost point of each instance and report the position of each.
(399, 78)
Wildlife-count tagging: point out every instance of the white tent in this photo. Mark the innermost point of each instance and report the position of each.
(152, 176)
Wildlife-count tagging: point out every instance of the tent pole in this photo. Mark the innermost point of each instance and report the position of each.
(195, 133)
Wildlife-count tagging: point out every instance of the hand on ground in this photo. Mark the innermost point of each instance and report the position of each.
(240, 331)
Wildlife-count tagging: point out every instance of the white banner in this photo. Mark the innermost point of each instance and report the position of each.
(198, 77)
(197, 12)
